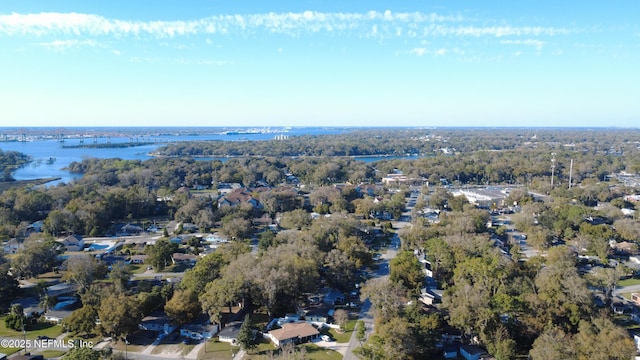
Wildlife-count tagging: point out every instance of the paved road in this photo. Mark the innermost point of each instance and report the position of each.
(626, 289)
(381, 272)
(368, 324)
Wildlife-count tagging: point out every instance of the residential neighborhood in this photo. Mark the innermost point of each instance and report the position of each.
(398, 268)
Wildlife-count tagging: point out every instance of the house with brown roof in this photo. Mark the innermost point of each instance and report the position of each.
(237, 197)
(180, 258)
(295, 332)
(138, 259)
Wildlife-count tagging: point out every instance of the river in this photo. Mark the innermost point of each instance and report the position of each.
(50, 156)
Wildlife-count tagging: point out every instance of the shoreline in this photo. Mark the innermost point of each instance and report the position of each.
(6, 185)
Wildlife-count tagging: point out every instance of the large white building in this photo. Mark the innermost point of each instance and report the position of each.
(484, 197)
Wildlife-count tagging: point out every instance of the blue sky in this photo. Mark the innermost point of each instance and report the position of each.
(310, 63)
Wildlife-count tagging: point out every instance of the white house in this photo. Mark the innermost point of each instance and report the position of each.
(158, 323)
(297, 332)
(57, 316)
(427, 297)
(72, 243)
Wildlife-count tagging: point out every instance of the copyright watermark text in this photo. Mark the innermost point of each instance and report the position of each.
(45, 344)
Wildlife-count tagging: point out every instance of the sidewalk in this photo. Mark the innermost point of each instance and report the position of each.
(193, 354)
(153, 345)
(239, 355)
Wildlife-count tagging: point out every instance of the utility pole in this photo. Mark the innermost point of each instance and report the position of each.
(570, 173)
(553, 167)
(24, 334)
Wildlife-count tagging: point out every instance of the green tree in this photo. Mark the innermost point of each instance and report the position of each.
(120, 274)
(267, 239)
(340, 270)
(295, 219)
(206, 270)
(385, 296)
(160, 253)
(237, 228)
(36, 257)
(407, 270)
(341, 316)
(83, 270)
(119, 315)
(81, 353)
(562, 294)
(360, 331)
(456, 203)
(16, 319)
(82, 320)
(245, 335)
(394, 339)
(183, 307)
(439, 198)
(9, 286)
(600, 338)
(442, 259)
(552, 344)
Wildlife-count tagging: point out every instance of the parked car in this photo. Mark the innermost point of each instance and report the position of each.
(325, 338)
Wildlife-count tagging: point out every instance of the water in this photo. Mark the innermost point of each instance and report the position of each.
(50, 157)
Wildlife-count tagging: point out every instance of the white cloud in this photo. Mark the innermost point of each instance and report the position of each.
(66, 44)
(441, 52)
(385, 24)
(418, 51)
(116, 52)
(498, 31)
(179, 61)
(538, 44)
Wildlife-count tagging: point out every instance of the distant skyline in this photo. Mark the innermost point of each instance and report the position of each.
(319, 63)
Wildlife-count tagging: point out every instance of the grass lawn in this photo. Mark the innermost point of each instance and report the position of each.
(259, 319)
(260, 352)
(10, 350)
(629, 282)
(311, 351)
(626, 295)
(137, 342)
(315, 352)
(186, 348)
(217, 350)
(41, 328)
(138, 269)
(343, 337)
